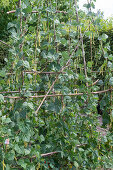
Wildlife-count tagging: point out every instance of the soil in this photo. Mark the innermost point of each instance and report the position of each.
(102, 131)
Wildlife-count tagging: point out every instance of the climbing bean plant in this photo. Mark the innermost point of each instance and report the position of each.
(58, 69)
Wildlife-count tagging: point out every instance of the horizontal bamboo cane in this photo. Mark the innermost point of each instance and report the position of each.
(13, 11)
(38, 72)
(56, 95)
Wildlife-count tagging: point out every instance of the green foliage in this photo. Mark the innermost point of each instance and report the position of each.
(65, 125)
(5, 6)
(4, 3)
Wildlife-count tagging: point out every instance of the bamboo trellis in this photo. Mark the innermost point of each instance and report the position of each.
(47, 95)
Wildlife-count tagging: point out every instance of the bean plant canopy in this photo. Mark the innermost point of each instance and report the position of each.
(58, 73)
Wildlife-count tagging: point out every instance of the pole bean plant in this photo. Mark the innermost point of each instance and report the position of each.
(58, 77)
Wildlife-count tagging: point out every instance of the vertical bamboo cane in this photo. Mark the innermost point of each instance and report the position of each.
(81, 37)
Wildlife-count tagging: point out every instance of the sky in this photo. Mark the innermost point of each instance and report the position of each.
(104, 5)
